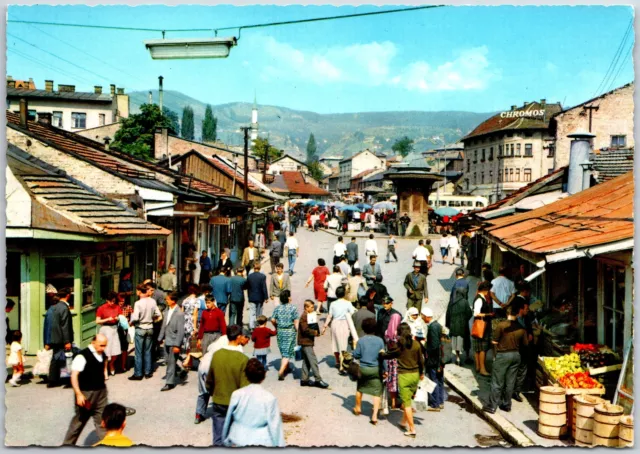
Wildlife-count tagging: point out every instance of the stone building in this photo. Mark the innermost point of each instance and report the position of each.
(609, 117)
(350, 167)
(509, 150)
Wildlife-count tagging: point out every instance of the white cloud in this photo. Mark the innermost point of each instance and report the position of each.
(371, 64)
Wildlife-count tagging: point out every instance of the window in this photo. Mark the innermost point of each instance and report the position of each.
(468, 165)
(552, 150)
(56, 119)
(101, 119)
(613, 307)
(481, 177)
(527, 175)
(499, 151)
(499, 176)
(475, 156)
(616, 141)
(467, 182)
(31, 115)
(517, 174)
(475, 178)
(479, 205)
(518, 150)
(78, 120)
(528, 150)
(490, 175)
(491, 154)
(483, 155)
(511, 175)
(506, 174)
(511, 150)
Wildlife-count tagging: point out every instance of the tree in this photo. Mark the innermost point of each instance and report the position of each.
(188, 125)
(173, 118)
(312, 148)
(403, 146)
(209, 126)
(315, 170)
(262, 146)
(136, 134)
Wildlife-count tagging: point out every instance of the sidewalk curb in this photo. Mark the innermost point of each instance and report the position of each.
(506, 428)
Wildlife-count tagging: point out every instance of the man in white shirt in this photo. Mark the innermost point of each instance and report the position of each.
(331, 284)
(88, 376)
(421, 254)
(371, 247)
(293, 249)
(503, 291)
(454, 247)
(339, 249)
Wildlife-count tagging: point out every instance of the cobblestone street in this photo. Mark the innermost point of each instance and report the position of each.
(37, 415)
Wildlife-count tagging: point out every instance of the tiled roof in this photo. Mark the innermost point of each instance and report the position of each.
(531, 189)
(600, 215)
(229, 171)
(43, 94)
(364, 173)
(296, 184)
(613, 163)
(70, 206)
(498, 123)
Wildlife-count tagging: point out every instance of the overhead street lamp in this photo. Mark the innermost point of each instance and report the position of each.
(185, 48)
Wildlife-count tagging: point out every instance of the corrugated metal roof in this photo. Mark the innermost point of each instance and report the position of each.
(599, 215)
(70, 202)
(103, 98)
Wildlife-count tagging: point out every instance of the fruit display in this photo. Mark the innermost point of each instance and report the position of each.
(562, 365)
(579, 380)
(578, 348)
(595, 359)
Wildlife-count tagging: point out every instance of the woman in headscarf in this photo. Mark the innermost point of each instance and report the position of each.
(418, 327)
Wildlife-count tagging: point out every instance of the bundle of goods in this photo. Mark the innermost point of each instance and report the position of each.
(560, 366)
(579, 380)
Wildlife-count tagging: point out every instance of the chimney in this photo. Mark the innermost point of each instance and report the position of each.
(106, 140)
(543, 103)
(113, 89)
(63, 88)
(10, 82)
(44, 118)
(97, 89)
(514, 107)
(48, 85)
(579, 161)
(31, 84)
(24, 113)
(121, 91)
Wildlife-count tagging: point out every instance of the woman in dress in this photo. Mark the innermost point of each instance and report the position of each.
(127, 310)
(190, 308)
(370, 382)
(483, 310)
(253, 417)
(408, 353)
(341, 323)
(318, 276)
(285, 319)
(107, 319)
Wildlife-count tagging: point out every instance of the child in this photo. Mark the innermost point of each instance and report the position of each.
(114, 421)
(16, 359)
(261, 338)
(307, 332)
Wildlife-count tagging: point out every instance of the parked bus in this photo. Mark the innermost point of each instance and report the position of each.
(459, 202)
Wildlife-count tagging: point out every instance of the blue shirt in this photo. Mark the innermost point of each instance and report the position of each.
(221, 288)
(238, 284)
(205, 264)
(368, 349)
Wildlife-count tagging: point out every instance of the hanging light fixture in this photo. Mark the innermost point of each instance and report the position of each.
(185, 48)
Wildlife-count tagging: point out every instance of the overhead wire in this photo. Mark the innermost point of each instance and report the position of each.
(614, 61)
(47, 65)
(622, 65)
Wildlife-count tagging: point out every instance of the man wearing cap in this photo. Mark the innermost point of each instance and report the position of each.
(226, 375)
(384, 316)
(416, 285)
(435, 360)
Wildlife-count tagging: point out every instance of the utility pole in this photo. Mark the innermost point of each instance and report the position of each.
(590, 109)
(246, 129)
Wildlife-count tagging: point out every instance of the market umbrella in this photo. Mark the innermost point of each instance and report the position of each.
(446, 211)
(310, 203)
(337, 204)
(363, 206)
(386, 205)
(350, 208)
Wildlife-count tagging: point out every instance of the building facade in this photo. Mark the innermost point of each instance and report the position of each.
(358, 163)
(287, 163)
(509, 151)
(69, 109)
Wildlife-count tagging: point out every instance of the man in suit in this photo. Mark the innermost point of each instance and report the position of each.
(221, 286)
(236, 299)
(275, 252)
(250, 255)
(257, 293)
(371, 271)
(172, 333)
(61, 334)
(352, 252)
(416, 285)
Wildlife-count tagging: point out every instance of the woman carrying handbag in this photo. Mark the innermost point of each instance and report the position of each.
(481, 329)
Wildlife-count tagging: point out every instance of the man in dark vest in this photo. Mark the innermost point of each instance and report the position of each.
(61, 334)
(88, 375)
(384, 316)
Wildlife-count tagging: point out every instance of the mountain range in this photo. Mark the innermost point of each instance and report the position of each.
(336, 134)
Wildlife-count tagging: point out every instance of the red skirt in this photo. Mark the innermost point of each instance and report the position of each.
(320, 293)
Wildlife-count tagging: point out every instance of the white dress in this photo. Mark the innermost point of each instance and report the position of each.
(13, 356)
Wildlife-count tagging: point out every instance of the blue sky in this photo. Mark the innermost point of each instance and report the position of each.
(454, 58)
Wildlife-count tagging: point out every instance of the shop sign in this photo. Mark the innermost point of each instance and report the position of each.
(216, 220)
(522, 113)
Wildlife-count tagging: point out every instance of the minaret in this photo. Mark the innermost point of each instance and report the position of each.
(254, 118)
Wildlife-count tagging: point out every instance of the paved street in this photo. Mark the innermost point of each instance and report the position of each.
(37, 415)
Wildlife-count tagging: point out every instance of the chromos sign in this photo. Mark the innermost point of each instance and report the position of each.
(522, 113)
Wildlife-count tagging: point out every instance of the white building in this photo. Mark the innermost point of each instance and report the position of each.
(358, 163)
(287, 163)
(70, 110)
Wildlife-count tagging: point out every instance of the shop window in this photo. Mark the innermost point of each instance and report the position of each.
(528, 150)
(614, 294)
(58, 275)
(527, 175)
(88, 280)
(108, 274)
